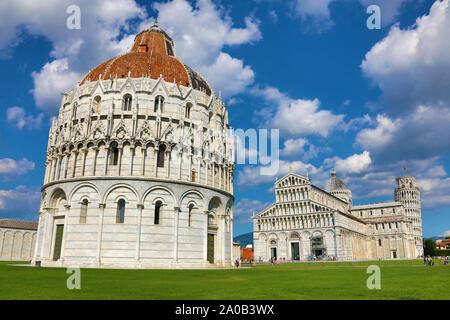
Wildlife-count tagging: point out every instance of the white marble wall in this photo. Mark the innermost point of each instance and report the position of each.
(17, 244)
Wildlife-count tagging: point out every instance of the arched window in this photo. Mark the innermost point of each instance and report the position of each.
(126, 102)
(191, 208)
(157, 211)
(161, 151)
(159, 104)
(120, 215)
(84, 208)
(114, 157)
(379, 242)
(97, 103)
(187, 113)
(210, 117)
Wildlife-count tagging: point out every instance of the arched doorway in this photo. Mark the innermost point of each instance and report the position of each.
(214, 209)
(273, 249)
(317, 246)
(58, 203)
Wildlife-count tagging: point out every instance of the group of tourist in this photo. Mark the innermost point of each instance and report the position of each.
(239, 262)
(428, 261)
(274, 260)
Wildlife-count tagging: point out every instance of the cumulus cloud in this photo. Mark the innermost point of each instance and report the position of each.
(390, 9)
(55, 77)
(20, 203)
(296, 117)
(107, 29)
(10, 168)
(316, 14)
(299, 147)
(356, 163)
(18, 118)
(201, 33)
(419, 135)
(250, 176)
(74, 52)
(244, 209)
(411, 66)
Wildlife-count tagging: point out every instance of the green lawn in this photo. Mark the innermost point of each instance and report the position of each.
(399, 280)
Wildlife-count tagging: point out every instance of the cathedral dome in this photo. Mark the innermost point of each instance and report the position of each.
(152, 54)
(337, 187)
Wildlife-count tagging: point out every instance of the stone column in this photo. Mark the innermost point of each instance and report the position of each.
(94, 161)
(144, 151)
(74, 163)
(100, 232)
(138, 232)
(167, 154)
(44, 233)
(180, 164)
(205, 247)
(83, 166)
(66, 221)
(119, 164)
(155, 153)
(175, 246)
(105, 172)
(132, 161)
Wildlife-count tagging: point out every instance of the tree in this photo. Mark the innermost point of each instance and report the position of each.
(429, 247)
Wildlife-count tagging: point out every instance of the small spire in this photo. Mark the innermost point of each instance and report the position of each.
(333, 173)
(290, 169)
(155, 24)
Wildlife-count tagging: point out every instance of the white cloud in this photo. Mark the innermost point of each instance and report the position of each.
(445, 234)
(54, 79)
(74, 52)
(250, 176)
(419, 135)
(390, 9)
(201, 33)
(411, 66)
(356, 163)
(10, 168)
(20, 203)
(316, 14)
(18, 118)
(296, 117)
(379, 136)
(299, 147)
(228, 74)
(244, 209)
(303, 117)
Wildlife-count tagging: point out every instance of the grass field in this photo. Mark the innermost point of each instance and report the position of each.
(399, 280)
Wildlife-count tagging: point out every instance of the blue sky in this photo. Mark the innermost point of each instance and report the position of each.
(367, 102)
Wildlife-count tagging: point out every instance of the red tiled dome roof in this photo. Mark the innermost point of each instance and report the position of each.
(152, 53)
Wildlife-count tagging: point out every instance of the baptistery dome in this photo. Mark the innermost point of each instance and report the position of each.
(139, 168)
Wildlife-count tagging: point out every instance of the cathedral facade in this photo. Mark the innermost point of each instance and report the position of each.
(307, 221)
(139, 170)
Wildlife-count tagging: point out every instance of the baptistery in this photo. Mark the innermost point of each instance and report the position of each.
(139, 167)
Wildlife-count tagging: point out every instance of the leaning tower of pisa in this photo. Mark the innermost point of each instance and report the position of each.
(408, 194)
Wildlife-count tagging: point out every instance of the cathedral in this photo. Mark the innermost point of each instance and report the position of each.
(306, 221)
(139, 167)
